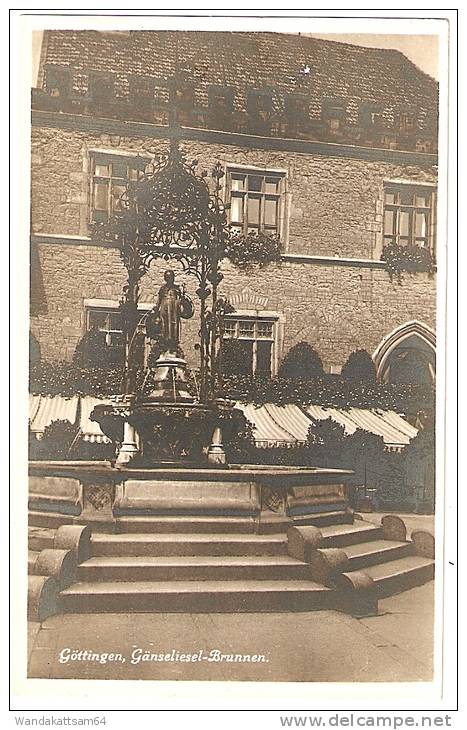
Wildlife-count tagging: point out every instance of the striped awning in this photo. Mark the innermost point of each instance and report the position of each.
(90, 430)
(395, 430)
(288, 425)
(272, 425)
(45, 409)
(276, 425)
(400, 423)
(291, 417)
(34, 403)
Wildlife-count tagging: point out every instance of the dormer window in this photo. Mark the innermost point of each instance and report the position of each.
(58, 80)
(371, 116)
(406, 121)
(297, 111)
(142, 93)
(183, 96)
(220, 106)
(182, 100)
(101, 87)
(259, 104)
(333, 113)
(259, 108)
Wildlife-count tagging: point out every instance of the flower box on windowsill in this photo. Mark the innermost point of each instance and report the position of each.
(411, 258)
(254, 248)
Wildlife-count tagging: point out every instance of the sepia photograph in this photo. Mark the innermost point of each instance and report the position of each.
(232, 353)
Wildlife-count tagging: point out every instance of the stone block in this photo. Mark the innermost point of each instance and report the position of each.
(302, 542)
(196, 496)
(326, 564)
(424, 543)
(76, 538)
(394, 528)
(60, 564)
(358, 594)
(42, 597)
(57, 494)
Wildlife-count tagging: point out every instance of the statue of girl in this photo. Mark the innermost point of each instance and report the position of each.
(172, 306)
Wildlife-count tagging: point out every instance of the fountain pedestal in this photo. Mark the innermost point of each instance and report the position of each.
(170, 383)
(180, 469)
(129, 448)
(166, 426)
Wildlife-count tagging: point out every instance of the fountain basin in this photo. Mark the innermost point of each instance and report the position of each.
(172, 432)
(265, 498)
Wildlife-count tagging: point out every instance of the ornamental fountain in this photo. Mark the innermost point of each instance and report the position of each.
(170, 437)
(199, 534)
(169, 213)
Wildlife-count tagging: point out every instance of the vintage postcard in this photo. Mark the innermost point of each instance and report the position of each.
(237, 296)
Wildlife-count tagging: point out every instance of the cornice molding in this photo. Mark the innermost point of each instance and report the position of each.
(97, 125)
(57, 239)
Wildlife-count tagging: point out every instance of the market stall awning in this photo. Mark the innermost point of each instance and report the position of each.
(45, 409)
(291, 418)
(400, 423)
(288, 425)
(34, 403)
(275, 425)
(272, 425)
(395, 430)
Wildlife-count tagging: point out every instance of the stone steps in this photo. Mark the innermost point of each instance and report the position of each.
(322, 518)
(196, 596)
(399, 575)
(40, 538)
(202, 568)
(48, 519)
(365, 554)
(189, 524)
(344, 535)
(204, 564)
(144, 544)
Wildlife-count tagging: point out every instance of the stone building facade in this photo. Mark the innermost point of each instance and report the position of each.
(332, 147)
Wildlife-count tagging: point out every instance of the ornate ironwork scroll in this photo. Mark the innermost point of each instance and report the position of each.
(170, 212)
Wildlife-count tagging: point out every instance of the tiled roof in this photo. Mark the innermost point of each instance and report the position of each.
(327, 74)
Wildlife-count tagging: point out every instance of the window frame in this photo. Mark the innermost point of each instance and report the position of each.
(256, 320)
(112, 181)
(263, 195)
(110, 307)
(109, 311)
(400, 206)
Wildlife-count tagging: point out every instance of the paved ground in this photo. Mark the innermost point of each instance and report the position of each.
(413, 522)
(321, 646)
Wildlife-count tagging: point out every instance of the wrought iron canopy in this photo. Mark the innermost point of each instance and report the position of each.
(169, 210)
(172, 212)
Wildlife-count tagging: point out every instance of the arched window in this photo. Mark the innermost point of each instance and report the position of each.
(407, 355)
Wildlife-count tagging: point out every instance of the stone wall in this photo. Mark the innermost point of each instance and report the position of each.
(336, 308)
(335, 208)
(334, 205)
